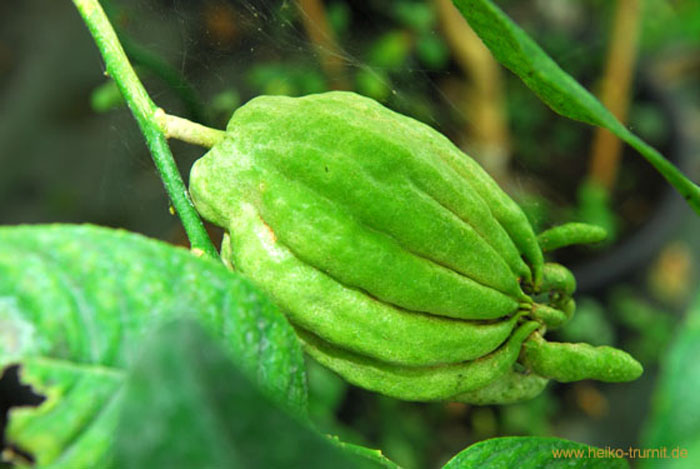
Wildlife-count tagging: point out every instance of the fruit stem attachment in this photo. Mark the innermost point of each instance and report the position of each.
(144, 110)
(186, 130)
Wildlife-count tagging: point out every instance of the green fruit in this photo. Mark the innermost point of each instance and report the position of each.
(419, 383)
(558, 279)
(569, 234)
(369, 198)
(551, 317)
(510, 388)
(401, 263)
(348, 317)
(573, 362)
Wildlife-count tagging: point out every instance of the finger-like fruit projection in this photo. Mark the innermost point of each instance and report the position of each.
(400, 262)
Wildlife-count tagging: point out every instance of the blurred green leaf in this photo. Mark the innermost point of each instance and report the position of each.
(649, 120)
(326, 392)
(75, 305)
(532, 452)
(653, 327)
(432, 50)
(390, 50)
(189, 407)
(403, 433)
(537, 208)
(513, 48)
(671, 23)
(589, 324)
(339, 17)
(222, 105)
(372, 83)
(106, 97)
(226, 102)
(675, 413)
(419, 16)
(286, 79)
(530, 417)
(483, 422)
(594, 207)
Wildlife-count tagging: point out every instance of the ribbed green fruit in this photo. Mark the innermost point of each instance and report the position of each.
(419, 383)
(402, 264)
(386, 215)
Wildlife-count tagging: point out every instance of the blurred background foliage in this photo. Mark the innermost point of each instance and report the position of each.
(71, 152)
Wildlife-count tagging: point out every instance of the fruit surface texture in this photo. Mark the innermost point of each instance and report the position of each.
(403, 266)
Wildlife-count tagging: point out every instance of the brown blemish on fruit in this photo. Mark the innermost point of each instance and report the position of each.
(273, 236)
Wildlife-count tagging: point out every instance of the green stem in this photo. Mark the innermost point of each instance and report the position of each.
(188, 131)
(144, 111)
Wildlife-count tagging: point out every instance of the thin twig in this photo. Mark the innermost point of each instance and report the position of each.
(187, 131)
(144, 109)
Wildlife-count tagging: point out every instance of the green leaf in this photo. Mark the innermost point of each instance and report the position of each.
(675, 415)
(533, 452)
(189, 407)
(368, 457)
(513, 48)
(75, 304)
